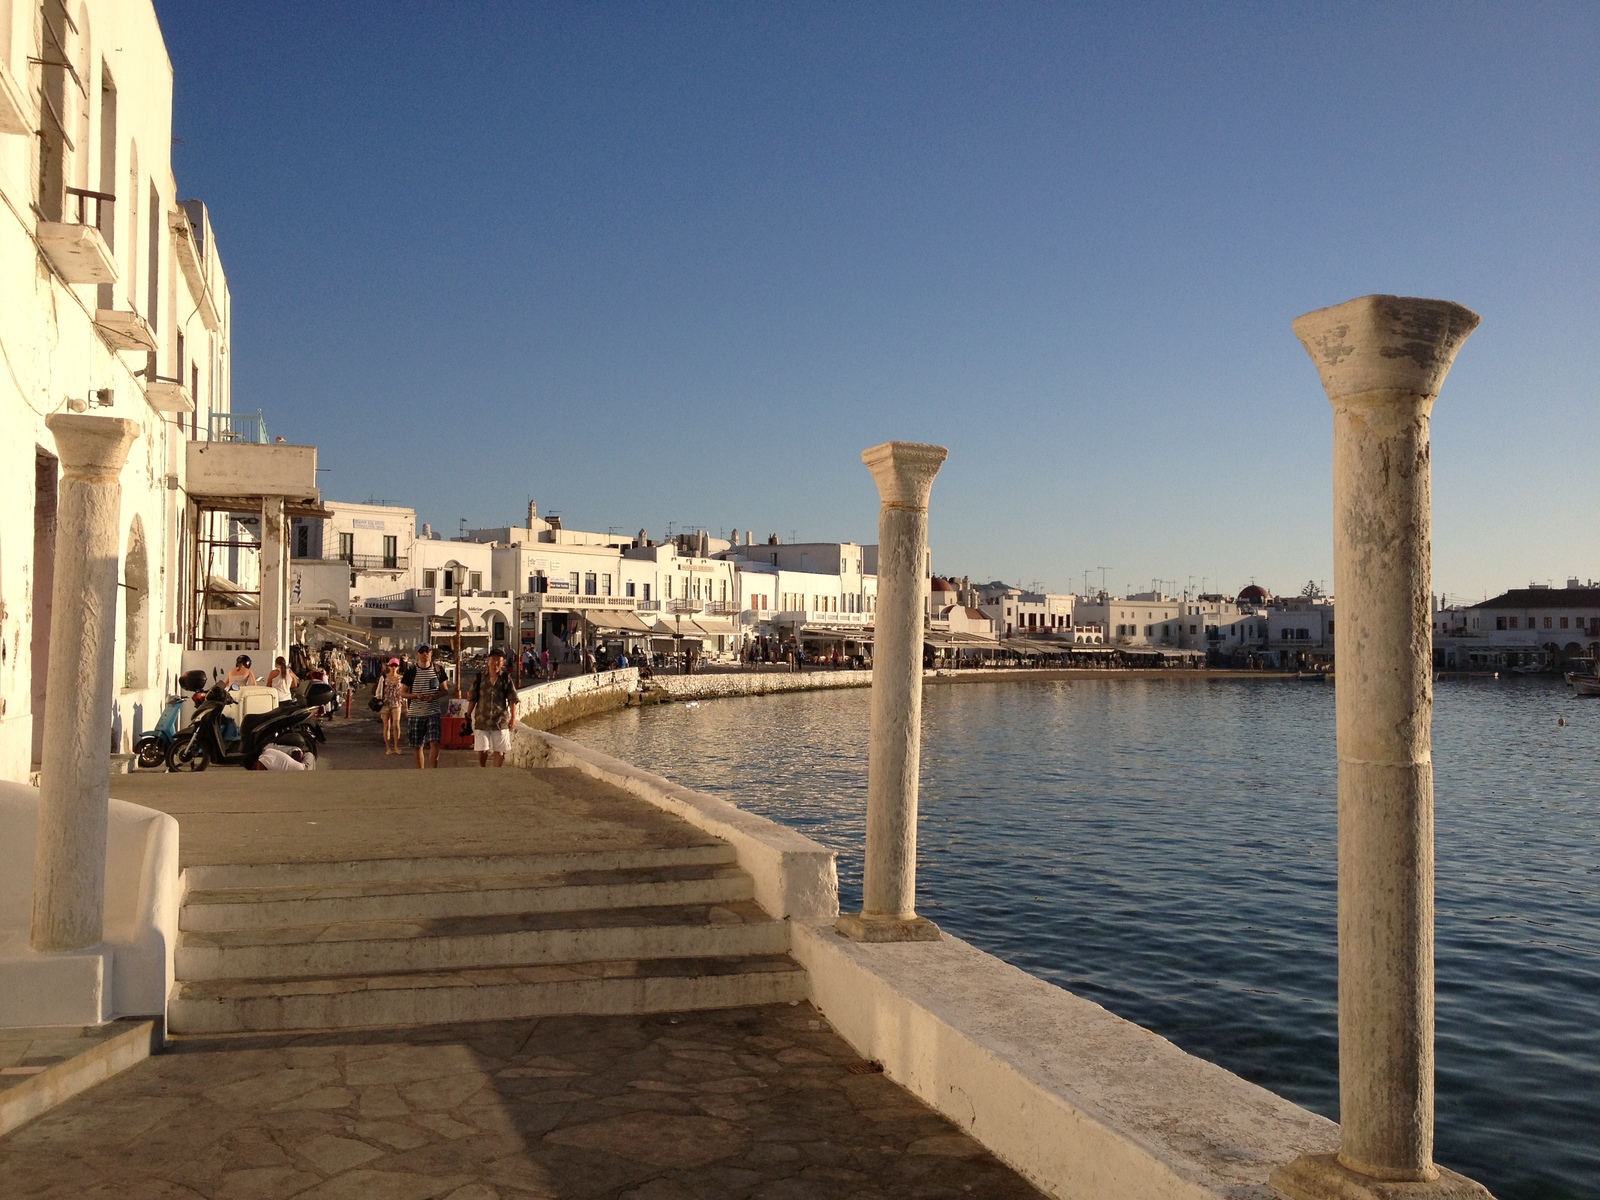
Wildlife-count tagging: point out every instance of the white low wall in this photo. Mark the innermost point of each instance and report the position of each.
(755, 683)
(539, 697)
(1083, 1103)
(794, 876)
(131, 972)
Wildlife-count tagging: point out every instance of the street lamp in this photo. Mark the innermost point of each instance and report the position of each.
(456, 569)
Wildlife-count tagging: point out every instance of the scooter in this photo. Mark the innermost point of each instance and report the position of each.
(292, 725)
(150, 751)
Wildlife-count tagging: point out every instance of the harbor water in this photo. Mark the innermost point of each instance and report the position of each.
(1166, 847)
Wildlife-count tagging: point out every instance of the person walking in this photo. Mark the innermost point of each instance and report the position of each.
(423, 686)
(493, 710)
(390, 691)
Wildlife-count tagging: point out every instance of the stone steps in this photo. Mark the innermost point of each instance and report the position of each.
(395, 941)
(299, 905)
(457, 943)
(506, 993)
(219, 877)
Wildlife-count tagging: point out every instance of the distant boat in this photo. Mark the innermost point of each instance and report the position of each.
(1311, 676)
(1586, 685)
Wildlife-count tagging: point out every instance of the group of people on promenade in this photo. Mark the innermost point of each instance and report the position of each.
(416, 695)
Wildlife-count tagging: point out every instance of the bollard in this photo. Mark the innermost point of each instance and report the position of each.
(1382, 360)
(904, 473)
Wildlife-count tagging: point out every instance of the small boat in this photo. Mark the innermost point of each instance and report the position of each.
(1311, 676)
(1586, 685)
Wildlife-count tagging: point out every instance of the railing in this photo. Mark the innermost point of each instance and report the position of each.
(649, 606)
(683, 607)
(721, 608)
(101, 199)
(239, 427)
(395, 600)
(377, 562)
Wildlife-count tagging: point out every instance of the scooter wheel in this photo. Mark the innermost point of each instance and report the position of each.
(150, 754)
(185, 756)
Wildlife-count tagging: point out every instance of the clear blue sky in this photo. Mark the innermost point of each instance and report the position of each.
(651, 263)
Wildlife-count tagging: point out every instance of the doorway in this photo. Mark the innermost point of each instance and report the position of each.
(45, 492)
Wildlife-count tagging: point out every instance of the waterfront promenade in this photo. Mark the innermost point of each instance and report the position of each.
(651, 1102)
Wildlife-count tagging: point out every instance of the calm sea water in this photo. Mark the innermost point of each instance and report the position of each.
(1166, 848)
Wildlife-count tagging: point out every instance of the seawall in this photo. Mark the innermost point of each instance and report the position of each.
(1086, 1105)
(547, 705)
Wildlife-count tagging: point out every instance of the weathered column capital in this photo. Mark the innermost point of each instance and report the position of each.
(1396, 344)
(92, 448)
(904, 471)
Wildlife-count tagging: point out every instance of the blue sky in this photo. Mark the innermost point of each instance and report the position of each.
(652, 263)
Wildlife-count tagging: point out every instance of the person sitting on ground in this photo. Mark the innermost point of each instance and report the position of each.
(241, 675)
(276, 758)
(493, 710)
(423, 686)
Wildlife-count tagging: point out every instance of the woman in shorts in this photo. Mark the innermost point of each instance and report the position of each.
(390, 691)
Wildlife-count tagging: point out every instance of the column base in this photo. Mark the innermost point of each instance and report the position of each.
(859, 927)
(1323, 1177)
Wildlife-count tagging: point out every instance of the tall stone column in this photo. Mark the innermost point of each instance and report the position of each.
(1382, 360)
(904, 473)
(75, 767)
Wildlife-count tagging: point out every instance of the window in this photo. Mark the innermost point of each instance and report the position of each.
(605, 585)
(475, 581)
(668, 592)
(629, 589)
(430, 579)
(1285, 633)
(449, 579)
(1499, 622)
(1547, 622)
(1513, 622)
(722, 588)
(302, 542)
(647, 593)
(391, 551)
(347, 546)
(572, 583)
(590, 584)
(1563, 622)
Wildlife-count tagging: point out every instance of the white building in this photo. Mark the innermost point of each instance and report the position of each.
(1533, 628)
(113, 301)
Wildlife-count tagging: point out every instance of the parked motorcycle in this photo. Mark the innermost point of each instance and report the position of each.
(150, 751)
(293, 725)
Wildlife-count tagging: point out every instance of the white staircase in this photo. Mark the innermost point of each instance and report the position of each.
(387, 942)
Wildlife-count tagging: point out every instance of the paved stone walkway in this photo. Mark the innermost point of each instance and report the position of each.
(742, 1104)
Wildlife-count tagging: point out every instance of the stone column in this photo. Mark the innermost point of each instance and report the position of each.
(75, 768)
(274, 610)
(1382, 360)
(904, 473)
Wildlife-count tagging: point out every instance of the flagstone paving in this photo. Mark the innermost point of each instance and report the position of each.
(739, 1104)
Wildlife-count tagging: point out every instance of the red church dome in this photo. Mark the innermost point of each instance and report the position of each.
(1254, 594)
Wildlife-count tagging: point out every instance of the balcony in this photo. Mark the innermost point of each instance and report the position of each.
(168, 395)
(720, 608)
(683, 608)
(187, 252)
(377, 562)
(76, 249)
(125, 330)
(250, 428)
(649, 606)
(221, 470)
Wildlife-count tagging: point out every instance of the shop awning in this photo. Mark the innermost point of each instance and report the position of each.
(617, 622)
(340, 630)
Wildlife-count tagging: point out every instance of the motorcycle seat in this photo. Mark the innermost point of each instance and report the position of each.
(252, 721)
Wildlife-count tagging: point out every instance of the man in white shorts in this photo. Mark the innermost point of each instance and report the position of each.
(493, 710)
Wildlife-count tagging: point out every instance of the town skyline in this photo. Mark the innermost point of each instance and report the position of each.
(689, 262)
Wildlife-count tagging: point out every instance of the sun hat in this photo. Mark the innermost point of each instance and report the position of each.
(393, 662)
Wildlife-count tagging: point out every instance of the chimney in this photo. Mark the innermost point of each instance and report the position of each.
(772, 539)
(427, 532)
(554, 522)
